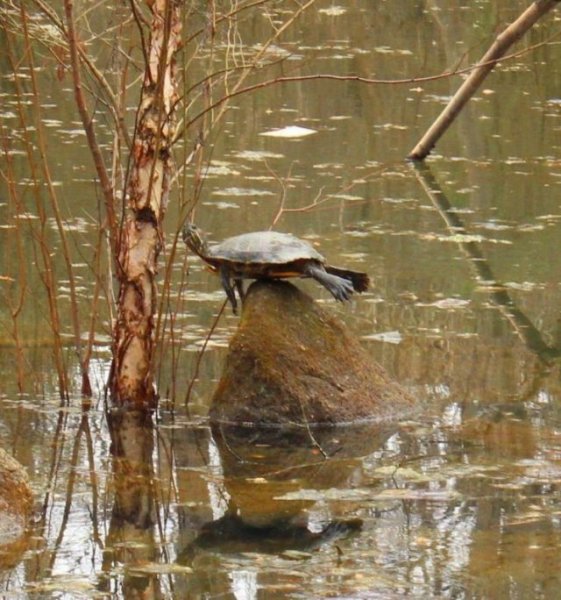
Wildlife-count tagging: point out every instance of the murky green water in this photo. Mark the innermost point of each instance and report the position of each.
(464, 503)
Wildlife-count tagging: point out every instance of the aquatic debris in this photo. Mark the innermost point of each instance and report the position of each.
(237, 191)
(448, 303)
(333, 11)
(390, 337)
(291, 131)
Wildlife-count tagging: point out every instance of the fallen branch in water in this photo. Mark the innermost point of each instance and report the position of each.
(495, 53)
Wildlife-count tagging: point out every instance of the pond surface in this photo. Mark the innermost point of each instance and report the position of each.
(464, 502)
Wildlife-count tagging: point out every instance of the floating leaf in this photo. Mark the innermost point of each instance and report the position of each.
(292, 131)
(236, 191)
(257, 155)
(333, 11)
(390, 337)
(449, 303)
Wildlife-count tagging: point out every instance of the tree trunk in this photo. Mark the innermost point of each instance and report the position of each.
(498, 49)
(141, 236)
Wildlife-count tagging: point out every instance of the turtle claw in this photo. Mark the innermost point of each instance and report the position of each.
(342, 290)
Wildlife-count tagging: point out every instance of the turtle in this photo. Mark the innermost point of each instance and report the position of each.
(270, 255)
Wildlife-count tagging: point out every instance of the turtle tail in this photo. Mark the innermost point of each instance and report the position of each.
(360, 281)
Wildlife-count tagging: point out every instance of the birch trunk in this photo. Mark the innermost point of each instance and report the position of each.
(497, 50)
(141, 237)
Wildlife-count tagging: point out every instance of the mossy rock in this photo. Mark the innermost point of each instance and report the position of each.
(291, 362)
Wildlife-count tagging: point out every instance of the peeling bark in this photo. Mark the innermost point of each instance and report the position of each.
(141, 236)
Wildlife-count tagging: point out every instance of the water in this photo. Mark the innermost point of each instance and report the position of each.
(464, 311)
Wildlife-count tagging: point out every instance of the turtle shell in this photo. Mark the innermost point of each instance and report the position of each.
(263, 248)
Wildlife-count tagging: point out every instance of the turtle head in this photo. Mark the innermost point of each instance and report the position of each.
(194, 238)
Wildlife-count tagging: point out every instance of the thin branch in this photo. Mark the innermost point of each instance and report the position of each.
(87, 123)
(366, 80)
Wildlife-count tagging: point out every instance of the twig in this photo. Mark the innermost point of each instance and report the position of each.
(366, 80)
(87, 123)
(201, 353)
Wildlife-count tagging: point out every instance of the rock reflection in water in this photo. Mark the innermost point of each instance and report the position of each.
(261, 466)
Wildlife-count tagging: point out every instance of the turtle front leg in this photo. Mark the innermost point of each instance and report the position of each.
(227, 285)
(239, 286)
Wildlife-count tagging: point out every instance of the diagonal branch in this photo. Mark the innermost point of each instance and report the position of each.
(497, 50)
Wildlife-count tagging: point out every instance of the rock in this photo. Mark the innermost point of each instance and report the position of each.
(16, 504)
(293, 363)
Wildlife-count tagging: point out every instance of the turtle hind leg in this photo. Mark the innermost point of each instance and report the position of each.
(360, 281)
(228, 288)
(341, 289)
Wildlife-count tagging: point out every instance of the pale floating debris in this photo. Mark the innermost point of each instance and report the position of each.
(529, 228)
(68, 583)
(16, 152)
(222, 205)
(383, 50)
(236, 191)
(214, 343)
(461, 211)
(267, 178)
(403, 473)
(495, 226)
(525, 286)
(72, 133)
(159, 568)
(221, 169)
(355, 256)
(28, 216)
(198, 296)
(357, 233)
(390, 126)
(257, 155)
(416, 494)
(78, 224)
(398, 200)
(272, 50)
(388, 50)
(463, 238)
(296, 554)
(333, 11)
(449, 303)
(327, 166)
(291, 131)
(52, 123)
(390, 337)
(442, 99)
(527, 518)
(551, 217)
(327, 494)
(347, 197)
(361, 494)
